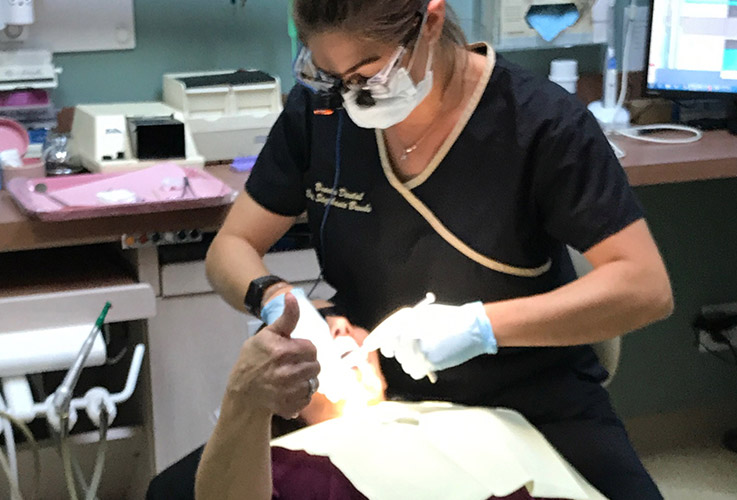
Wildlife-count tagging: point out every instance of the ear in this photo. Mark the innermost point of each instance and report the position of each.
(435, 20)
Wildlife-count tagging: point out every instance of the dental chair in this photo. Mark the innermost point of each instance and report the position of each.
(608, 351)
(177, 481)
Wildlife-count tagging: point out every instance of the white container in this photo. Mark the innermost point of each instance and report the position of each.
(564, 72)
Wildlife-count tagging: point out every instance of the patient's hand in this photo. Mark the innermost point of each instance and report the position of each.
(273, 370)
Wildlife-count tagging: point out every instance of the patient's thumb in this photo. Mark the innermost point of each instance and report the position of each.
(285, 324)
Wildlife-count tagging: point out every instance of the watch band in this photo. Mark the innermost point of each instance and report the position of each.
(255, 294)
(332, 310)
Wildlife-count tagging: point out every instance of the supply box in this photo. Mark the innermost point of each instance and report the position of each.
(228, 112)
(503, 23)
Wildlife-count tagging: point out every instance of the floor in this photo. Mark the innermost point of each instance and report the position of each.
(684, 454)
(695, 473)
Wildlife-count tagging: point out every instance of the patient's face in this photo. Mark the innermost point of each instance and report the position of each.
(341, 330)
(368, 373)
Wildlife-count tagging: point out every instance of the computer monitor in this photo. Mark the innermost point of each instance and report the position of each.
(692, 50)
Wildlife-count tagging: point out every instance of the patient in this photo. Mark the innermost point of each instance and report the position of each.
(270, 384)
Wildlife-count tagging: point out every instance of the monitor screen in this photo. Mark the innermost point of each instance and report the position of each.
(693, 47)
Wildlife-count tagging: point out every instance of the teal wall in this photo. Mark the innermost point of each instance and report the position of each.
(661, 369)
(192, 35)
(179, 35)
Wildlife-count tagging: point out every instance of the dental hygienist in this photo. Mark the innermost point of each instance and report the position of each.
(450, 170)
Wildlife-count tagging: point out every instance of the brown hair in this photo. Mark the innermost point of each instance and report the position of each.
(386, 21)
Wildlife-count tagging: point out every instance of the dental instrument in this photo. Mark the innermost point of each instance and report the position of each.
(380, 335)
(63, 395)
(187, 186)
(43, 189)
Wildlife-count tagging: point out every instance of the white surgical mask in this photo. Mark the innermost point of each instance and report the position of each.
(402, 96)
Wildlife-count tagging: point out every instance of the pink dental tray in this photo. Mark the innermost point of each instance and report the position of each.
(160, 188)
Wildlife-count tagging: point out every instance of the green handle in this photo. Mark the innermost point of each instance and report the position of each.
(103, 314)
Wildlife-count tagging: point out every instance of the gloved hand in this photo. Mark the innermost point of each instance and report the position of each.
(335, 377)
(430, 337)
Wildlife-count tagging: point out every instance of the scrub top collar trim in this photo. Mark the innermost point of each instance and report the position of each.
(405, 188)
(453, 136)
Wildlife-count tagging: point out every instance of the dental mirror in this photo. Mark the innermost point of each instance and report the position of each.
(43, 189)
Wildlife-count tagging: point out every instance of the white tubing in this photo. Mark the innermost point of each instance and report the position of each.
(634, 133)
(12, 455)
(10, 443)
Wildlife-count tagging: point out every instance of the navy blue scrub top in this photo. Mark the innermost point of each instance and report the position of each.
(530, 172)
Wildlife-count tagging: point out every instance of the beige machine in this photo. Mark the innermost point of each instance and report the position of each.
(111, 137)
(228, 112)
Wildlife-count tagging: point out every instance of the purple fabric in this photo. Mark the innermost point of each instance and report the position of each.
(300, 476)
(297, 475)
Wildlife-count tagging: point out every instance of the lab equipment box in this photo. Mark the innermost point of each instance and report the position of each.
(228, 112)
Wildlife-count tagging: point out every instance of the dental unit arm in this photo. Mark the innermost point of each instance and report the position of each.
(61, 403)
(94, 399)
(60, 408)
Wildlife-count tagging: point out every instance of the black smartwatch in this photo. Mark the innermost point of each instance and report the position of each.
(255, 293)
(332, 310)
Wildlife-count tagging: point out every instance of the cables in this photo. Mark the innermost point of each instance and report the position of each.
(14, 490)
(333, 193)
(14, 486)
(66, 457)
(100, 458)
(637, 133)
(643, 132)
(12, 462)
(629, 19)
(715, 324)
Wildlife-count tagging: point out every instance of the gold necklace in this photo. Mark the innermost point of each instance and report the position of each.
(407, 151)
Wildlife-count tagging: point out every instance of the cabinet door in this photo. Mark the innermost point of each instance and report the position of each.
(194, 341)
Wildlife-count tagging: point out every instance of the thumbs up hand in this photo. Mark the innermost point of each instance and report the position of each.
(275, 371)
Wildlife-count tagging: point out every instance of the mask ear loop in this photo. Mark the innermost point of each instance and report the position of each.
(420, 36)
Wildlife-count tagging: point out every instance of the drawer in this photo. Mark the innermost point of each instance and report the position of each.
(34, 311)
(55, 288)
(187, 278)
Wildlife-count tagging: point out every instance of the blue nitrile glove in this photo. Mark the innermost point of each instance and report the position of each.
(311, 325)
(334, 375)
(431, 337)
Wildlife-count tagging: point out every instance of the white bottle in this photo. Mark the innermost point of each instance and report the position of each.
(564, 72)
(19, 12)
